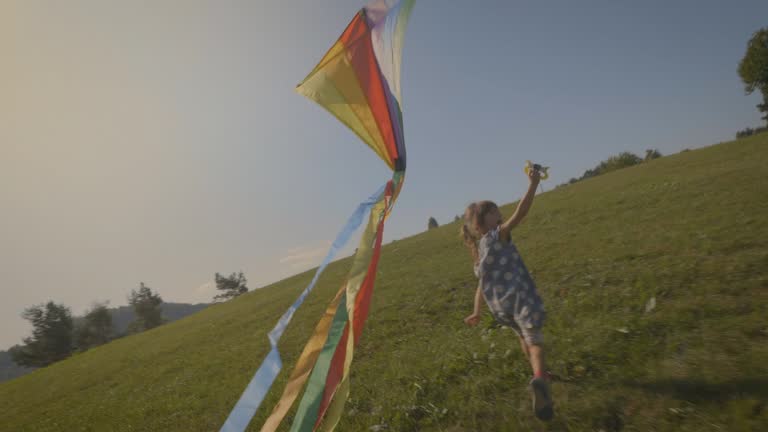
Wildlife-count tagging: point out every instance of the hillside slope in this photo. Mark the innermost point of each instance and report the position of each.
(687, 230)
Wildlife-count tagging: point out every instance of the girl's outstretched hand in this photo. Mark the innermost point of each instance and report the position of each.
(534, 176)
(472, 320)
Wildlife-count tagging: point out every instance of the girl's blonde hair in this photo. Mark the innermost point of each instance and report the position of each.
(473, 216)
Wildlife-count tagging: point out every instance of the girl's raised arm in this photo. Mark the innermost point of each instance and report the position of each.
(522, 207)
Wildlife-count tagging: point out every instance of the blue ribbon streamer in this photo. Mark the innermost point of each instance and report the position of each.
(262, 380)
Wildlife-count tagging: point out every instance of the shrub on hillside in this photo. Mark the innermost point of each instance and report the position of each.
(749, 132)
(613, 163)
(432, 223)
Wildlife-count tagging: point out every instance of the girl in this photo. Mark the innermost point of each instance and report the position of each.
(506, 285)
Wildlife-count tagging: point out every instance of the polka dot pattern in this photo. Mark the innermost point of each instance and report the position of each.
(507, 285)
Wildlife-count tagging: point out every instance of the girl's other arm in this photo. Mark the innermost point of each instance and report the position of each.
(475, 317)
(522, 207)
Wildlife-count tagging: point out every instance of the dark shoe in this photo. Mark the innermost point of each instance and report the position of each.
(543, 406)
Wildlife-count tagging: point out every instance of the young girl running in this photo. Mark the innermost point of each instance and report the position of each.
(506, 285)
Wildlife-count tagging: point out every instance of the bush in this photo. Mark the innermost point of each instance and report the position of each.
(613, 163)
(749, 132)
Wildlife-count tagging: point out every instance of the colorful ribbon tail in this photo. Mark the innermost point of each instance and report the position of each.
(265, 376)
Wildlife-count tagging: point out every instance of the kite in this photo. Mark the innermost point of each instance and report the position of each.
(358, 82)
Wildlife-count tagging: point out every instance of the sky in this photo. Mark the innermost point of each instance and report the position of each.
(162, 142)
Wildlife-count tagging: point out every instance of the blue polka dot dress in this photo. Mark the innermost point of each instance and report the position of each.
(507, 286)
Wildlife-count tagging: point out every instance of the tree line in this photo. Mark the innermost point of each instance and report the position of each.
(613, 163)
(56, 335)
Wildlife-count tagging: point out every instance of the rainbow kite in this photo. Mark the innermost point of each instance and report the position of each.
(358, 81)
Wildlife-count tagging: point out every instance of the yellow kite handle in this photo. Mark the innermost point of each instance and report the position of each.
(532, 166)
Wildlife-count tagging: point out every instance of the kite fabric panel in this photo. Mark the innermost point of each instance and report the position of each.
(358, 79)
(358, 82)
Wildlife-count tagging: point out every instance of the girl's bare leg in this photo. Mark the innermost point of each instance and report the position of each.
(536, 357)
(524, 347)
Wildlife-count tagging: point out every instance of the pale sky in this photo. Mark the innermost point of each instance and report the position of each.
(161, 142)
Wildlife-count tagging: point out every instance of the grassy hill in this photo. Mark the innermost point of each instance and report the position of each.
(688, 231)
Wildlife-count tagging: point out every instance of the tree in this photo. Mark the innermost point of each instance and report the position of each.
(146, 306)
(95, 329)
(753, 68)
(749, 132)
(613, 163)
(652, 154)
(231, 286)
(432, 223)
(51, 339)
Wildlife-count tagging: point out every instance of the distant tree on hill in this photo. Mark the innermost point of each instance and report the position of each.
(146, 306)
(432, 223)
(95, 328)
(651, 154)
(753, 68)
(457, 218)
(231, 286)
(749, 132)
(51, 339)
(613, 163)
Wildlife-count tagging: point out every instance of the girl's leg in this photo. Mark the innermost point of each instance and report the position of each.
(532, 340)
(524, 347)
(539, 387)
(543, 406)
(536, 357)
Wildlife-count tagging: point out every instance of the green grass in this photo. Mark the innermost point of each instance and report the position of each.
(688, 230)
